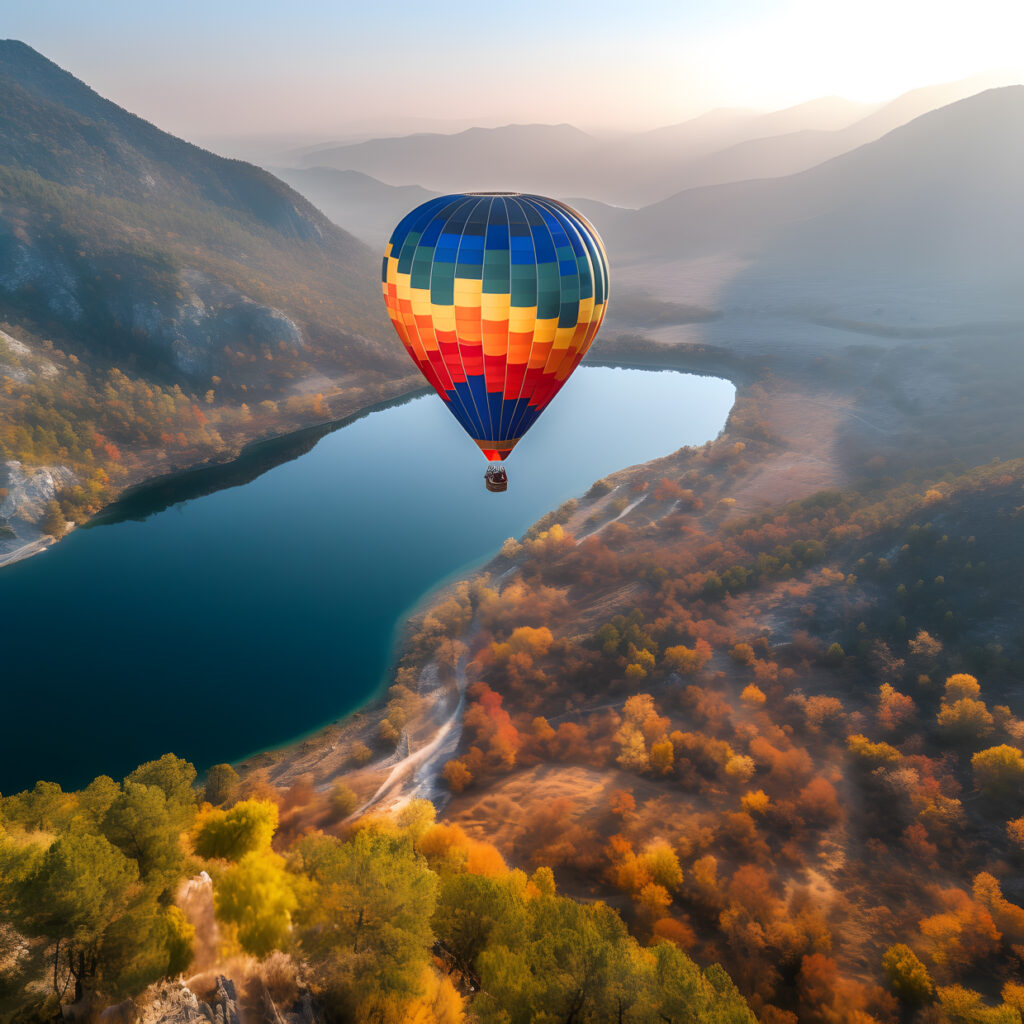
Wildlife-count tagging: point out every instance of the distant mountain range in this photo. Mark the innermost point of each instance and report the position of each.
(942, 194)
(635, 169)
(153, 253)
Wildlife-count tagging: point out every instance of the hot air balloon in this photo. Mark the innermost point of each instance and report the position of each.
(496, 296)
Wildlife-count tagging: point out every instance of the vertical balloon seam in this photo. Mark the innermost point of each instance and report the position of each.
(491, 436)
(572, 222)
(555, 364)
(508, 322)
(522, 398)
(468, 205)
(408, 243)
(446, 212)
(465, 419)
(469, 387)
(555, 358)
(594, 250)
(519, 416)
(513, 414)
(525, 421)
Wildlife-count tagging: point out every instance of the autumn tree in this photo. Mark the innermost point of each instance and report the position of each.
(257, 896)
(908, 977)
(998, 771)
(364, 921)
(54, 521)
(248, 827)
(965, 719)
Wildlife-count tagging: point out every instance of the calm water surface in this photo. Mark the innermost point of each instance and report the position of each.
(241, 619)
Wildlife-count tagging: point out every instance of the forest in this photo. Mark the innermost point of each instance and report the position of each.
(387, 918)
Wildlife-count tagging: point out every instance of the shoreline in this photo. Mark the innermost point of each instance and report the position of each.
(394, 777)
(312, 749)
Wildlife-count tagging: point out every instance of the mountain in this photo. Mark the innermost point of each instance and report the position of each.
(367, 207)
(636, 169)
(942, 194)
(766, 154)
(160, 306)
(148, 251)
(525, 158)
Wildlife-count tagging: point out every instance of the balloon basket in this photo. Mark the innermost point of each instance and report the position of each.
(496, 479)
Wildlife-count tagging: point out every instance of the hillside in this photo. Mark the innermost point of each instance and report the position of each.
(917, 231)
(368, 208)
(160, 305)
(108, 215)
(795, 139)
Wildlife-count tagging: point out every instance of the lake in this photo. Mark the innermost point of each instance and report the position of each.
(215, 625)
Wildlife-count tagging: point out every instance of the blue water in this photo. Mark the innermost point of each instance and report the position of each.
(243, 618)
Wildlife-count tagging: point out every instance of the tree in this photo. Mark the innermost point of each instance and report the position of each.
(148, 943)
(457, 775)
(221, 787)
(908, 977)
(1015, 830)
(469, 907)
(662, 864)
(141, 823)
(966, 719)
(894, 708)
(258, 897)
(961, 1005)
(76, 890)
(94, 801)
(998, 771)
(753, 696)
(54, 521)
(688, 660)
(662, 757)
(248, 827)
(684, 993)
(743, 654)
(175, 777)
(962, 685)
(365, 919)
(343, 799)
(835, 655)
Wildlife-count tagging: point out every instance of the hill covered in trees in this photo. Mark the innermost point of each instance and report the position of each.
(159, 304)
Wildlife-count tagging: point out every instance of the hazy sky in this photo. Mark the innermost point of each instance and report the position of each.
(220, 67)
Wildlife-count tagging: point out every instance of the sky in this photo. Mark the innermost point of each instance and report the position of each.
(312, 67)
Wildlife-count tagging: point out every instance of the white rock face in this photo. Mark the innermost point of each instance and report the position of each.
(29, 490)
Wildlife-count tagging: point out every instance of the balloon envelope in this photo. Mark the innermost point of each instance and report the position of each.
(496, 297)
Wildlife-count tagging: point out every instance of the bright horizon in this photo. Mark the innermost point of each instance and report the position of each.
(324, 69)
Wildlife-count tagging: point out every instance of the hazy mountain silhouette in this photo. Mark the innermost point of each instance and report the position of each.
(769, 155)
(365, 206)
(140, 245)
(635, 169)
(941, 197)
(477, 159)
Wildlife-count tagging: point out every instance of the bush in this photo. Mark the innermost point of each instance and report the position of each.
(907, 976)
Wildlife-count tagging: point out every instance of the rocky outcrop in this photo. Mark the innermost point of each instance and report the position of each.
(22, 507)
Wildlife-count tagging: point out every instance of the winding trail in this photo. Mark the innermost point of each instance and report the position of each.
(416, 774)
